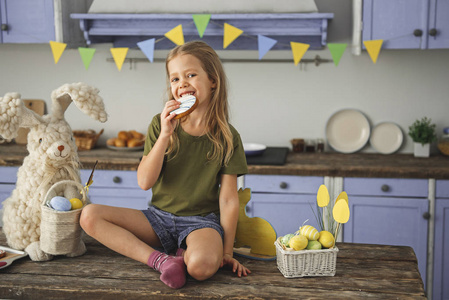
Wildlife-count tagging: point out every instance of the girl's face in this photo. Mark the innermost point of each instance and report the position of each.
(187, 77)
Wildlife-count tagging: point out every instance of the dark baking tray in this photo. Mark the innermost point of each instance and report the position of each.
(271, 156)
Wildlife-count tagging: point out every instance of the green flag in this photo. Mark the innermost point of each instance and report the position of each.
(337, 51)
(201, 22)
(86, 55)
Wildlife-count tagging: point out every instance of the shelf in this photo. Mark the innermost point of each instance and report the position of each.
(126, 30)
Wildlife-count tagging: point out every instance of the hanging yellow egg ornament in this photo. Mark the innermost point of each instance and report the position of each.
(310, 232)
(341, 211)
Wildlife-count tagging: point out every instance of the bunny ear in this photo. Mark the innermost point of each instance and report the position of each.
(84, 96)
(14, 115)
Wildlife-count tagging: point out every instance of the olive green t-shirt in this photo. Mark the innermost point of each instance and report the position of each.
(189, 183)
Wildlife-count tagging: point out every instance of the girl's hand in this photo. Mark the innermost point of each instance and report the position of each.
(167, 122)
(237, 267)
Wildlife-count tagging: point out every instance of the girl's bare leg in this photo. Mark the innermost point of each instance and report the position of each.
(204, 253)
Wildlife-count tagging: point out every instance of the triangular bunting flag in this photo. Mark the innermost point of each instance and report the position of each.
(57, 49)
(336, 51)
(147, 48)
(230, 34)
(201, 22)
(176, 35)
(298, 50)
(119, 55)
(373, 48)
(86, 55)
(265, 44)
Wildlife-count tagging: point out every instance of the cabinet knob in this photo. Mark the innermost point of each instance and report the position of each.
(116, 179)
(283, 185)
(426, 215)
(247, 209)
(433, 32)
(417, 32)
(5, 27)
(385, 188)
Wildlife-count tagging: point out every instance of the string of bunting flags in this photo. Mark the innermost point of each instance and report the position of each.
(230, 34)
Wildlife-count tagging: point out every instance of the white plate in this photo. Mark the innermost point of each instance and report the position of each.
(254, 149)
(386, 138)
(347, 131)
(11, 256)
(125, 148)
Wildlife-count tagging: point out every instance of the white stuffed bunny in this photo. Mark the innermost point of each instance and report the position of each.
(52, 157)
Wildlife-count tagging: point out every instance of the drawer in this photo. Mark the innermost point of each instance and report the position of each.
(386, 187)
(8, 174)
(112, 179)
(283, 184)
(442, 189)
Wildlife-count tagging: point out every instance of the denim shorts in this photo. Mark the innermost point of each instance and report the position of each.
(172, 230)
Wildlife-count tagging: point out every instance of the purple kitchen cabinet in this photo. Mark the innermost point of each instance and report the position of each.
(284, 201)
(407, 24)
(441, 248)
(116, 188)
(25, 21)
(389, 212)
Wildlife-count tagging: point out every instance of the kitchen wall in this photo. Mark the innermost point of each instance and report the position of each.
(271, 103)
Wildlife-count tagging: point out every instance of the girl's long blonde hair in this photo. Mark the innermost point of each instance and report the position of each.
(217, 114)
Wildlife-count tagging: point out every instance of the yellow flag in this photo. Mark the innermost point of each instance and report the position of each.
(57, 49)
(373, 48)
(341, 211)
(230, 34)
(119, 55)
(176, 35)
(298, 49)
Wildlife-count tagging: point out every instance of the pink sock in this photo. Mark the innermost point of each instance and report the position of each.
(173, 269)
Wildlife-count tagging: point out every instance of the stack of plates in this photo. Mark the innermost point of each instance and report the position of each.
(348, 131)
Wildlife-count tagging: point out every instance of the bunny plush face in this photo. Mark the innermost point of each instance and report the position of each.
(52, 141)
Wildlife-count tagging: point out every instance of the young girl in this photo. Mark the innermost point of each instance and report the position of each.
(192, 165)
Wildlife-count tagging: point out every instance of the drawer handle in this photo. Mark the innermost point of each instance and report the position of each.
(5, 27)
(417, 32)
(116, 179)
(283, 185)
(385, 188)
(426, 215)
(247, 209)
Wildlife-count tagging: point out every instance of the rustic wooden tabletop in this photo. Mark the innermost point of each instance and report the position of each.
(363, 271)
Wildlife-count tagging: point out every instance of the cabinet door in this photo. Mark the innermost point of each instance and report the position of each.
(438, 24)
(27, 21)
(389, 221)
(395, 21)
(441, 252)
(286, 213)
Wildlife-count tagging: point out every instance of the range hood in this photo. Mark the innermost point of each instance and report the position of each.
(126, 30)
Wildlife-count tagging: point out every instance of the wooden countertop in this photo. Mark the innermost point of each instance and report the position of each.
(363, 271)
(307, 164)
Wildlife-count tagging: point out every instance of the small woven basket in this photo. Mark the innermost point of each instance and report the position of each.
(61, 230)
(306, 263)
(86, 139)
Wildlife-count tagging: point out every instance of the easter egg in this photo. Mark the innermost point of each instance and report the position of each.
(286, 239)
(76, 203)
(326, 239)
(314, 245)
(60, 203)
(309, 232)
(298, 242)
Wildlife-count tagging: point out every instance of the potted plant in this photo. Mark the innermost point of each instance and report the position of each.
(422, 133)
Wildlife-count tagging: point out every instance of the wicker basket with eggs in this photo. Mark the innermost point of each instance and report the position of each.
(127, 139)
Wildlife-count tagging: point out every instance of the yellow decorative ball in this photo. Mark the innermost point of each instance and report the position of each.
(309, 232)
(76, 203)
(326, 239)
(298, 242)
